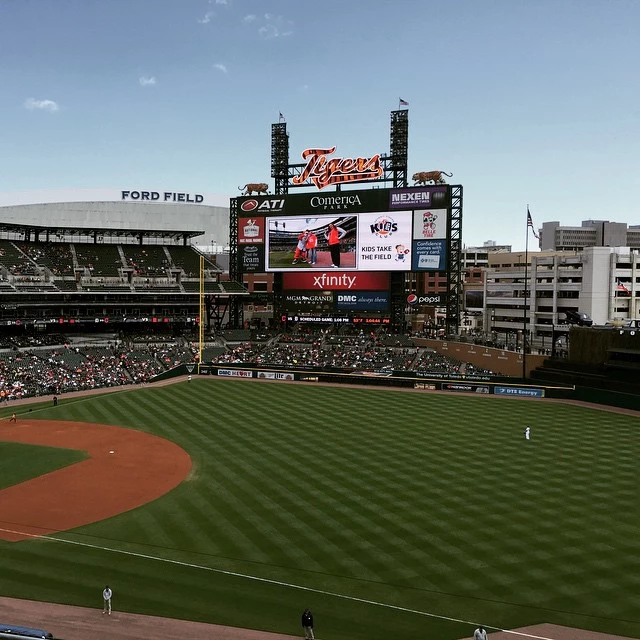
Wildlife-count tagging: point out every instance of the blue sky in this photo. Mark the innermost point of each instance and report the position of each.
(526, 101)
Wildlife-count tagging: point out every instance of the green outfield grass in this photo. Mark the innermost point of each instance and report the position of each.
(423, 503)
(20, 462)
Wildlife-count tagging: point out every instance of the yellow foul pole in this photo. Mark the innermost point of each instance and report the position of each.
(202, 312)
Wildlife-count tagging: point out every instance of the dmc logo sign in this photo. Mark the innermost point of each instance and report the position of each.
(271, 204)
(413, 299)
(384, 227)
(344, 298)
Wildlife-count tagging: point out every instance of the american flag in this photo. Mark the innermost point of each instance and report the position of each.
(621, 287)
(403, 103)
(530, 225)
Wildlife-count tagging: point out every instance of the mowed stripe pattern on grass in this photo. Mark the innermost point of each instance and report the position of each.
(430, 502)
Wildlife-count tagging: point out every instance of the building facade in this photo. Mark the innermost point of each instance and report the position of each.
(531, 298)
(591, 233)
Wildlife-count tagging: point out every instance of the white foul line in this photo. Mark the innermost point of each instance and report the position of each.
(278, 583)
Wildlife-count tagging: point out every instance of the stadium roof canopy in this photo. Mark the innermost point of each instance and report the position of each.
(38, 231)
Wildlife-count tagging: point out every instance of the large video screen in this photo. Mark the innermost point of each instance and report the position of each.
(374, 230)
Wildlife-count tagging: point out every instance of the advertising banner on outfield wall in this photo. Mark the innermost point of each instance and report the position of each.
(519, 392)
(466, 388)
(275, 375)
(235, 373)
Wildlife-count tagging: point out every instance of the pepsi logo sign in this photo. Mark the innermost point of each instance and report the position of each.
(249, 205)
(436, 299)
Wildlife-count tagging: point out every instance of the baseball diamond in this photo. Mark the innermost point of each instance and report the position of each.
(410, 513)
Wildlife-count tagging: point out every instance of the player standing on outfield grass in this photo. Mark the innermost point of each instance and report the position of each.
(480, 634)
(307, 624)
(527, 433)
(106, 596)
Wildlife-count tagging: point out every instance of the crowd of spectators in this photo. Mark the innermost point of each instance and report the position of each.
(50, 364)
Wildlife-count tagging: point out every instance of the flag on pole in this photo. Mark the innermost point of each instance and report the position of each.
(281, 116)
(621, 287)
(530, 225)
(403, 103)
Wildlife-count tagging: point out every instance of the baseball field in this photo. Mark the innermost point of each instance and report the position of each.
(391, 514)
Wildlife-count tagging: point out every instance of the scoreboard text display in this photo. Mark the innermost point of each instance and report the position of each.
(379, 230)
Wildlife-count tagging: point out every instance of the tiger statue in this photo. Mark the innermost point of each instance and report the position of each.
(422, 177)
(258, 187)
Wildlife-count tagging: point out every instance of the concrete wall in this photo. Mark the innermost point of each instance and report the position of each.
(507, 363)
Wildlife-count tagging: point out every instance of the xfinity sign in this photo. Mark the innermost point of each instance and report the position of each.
(162, 196)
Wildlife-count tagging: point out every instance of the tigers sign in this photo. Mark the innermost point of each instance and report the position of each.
(322, 171)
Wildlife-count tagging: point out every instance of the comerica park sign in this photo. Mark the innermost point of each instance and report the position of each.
(162, 196)
(323, 171)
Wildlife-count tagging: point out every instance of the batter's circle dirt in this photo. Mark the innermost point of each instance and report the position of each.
(141, 468)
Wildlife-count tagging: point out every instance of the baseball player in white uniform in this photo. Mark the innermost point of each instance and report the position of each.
(480, 634)
(527, 433)
(106, 596)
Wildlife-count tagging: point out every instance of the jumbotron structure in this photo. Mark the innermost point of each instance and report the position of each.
(393, 234)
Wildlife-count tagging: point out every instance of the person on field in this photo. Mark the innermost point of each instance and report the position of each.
(307, 624)
(334, 235)
(301, 248)
(312, 251)
(480, 634)
(13, 418)
(527, 433)
(106, 596)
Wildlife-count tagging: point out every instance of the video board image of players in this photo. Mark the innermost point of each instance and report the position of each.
(322, 242)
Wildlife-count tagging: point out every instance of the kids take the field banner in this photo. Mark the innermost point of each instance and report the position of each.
(384, 241)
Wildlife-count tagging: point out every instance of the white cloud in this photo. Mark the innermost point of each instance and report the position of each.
(275, 27)
(220, 67)
(207, 17)
(42, 105)
(147, 81)
(252, 17)
(224, 2)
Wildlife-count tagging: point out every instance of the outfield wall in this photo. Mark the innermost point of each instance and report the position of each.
(506, 363)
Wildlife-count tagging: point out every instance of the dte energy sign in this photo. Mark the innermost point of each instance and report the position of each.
(162, 196)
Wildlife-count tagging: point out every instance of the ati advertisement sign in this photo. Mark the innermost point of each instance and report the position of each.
(251, 230)
(252, 257)
(384, 241)
(362, 301)
(307, 203)
(335, 281)
(419, 197)
(429, 255)
(308, 301)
